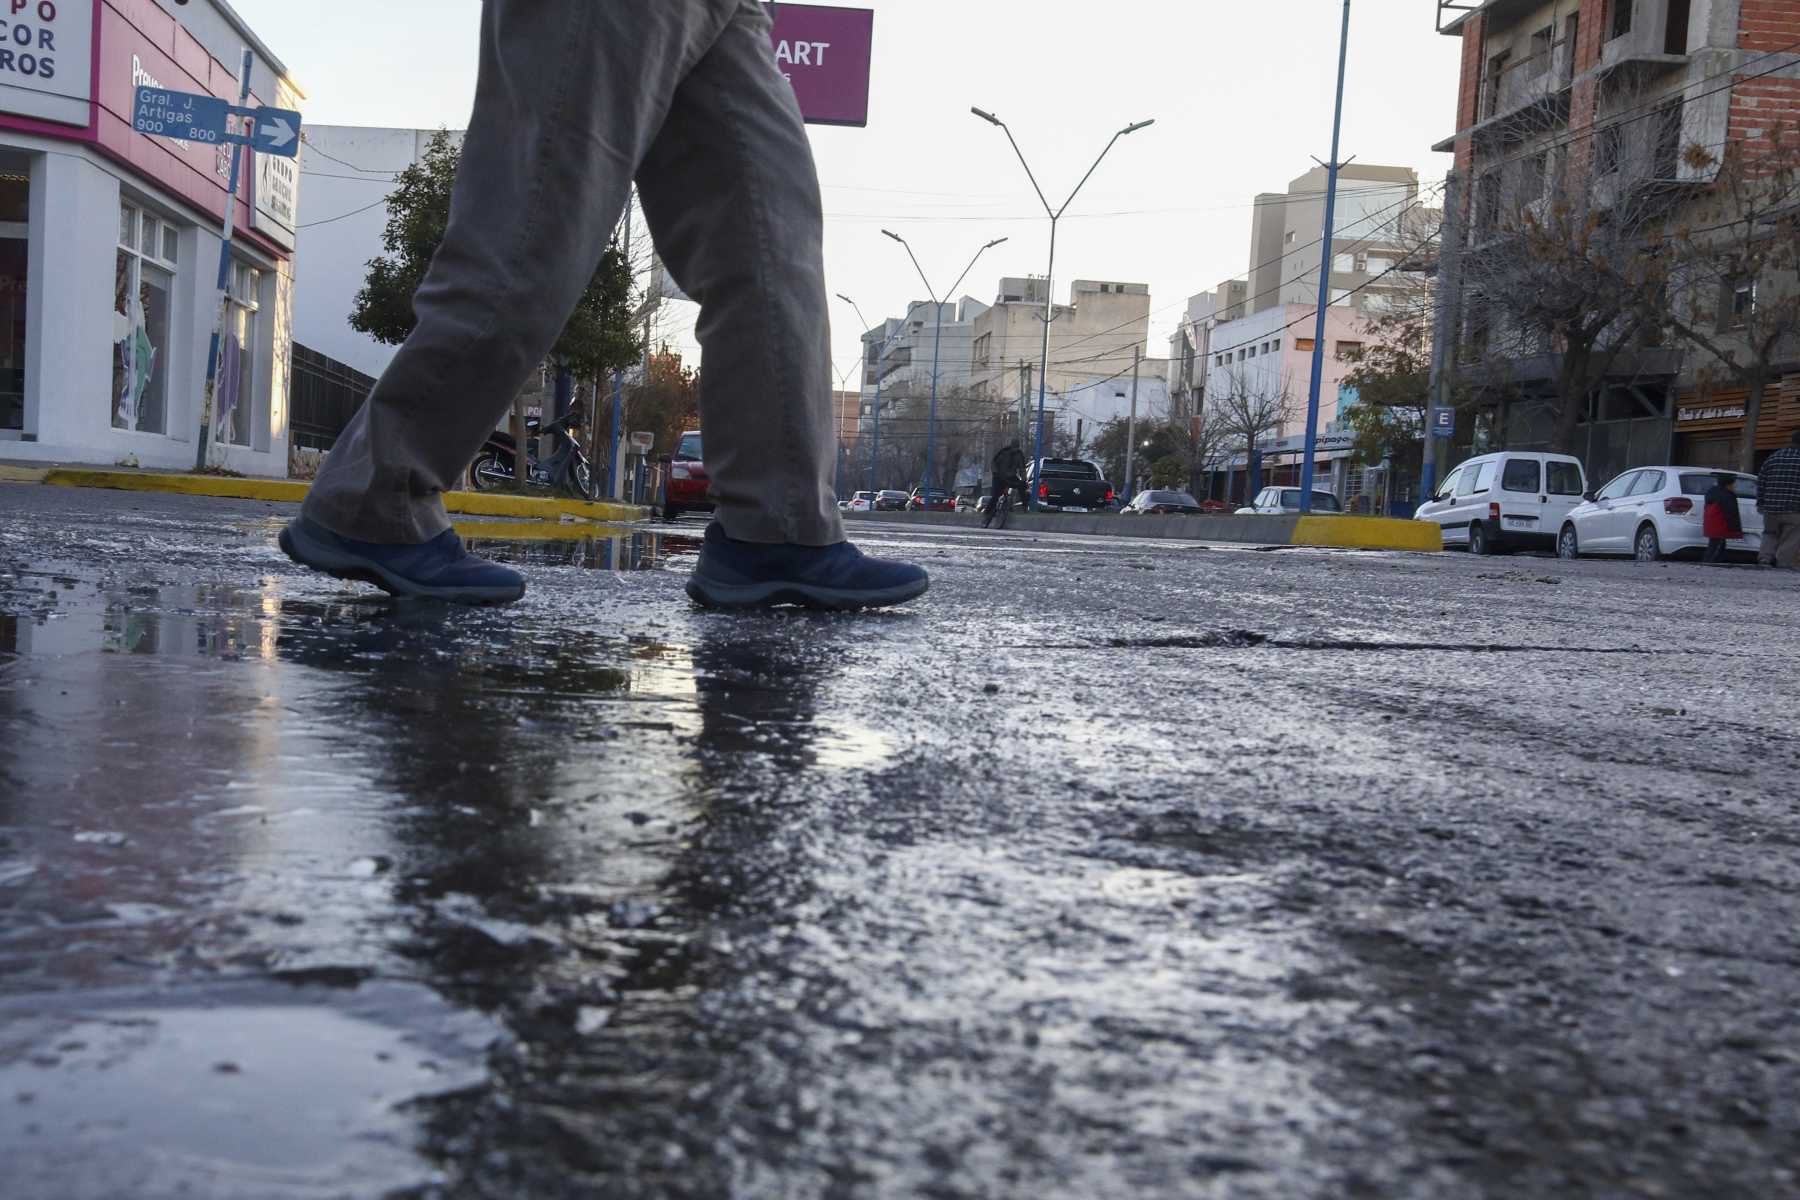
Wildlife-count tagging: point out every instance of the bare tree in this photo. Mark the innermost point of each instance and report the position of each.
(1248, 412)
(1733, 264)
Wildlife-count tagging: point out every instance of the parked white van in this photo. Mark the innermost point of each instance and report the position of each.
(1513, 500)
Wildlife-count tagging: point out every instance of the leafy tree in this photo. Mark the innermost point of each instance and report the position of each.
(598, 337)
(667, 404)
(1170, 471)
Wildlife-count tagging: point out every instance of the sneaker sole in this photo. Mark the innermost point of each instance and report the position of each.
(310, 553)
(768, 595)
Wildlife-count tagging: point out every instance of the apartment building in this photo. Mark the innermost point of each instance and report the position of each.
(1598, 103)
(1092, 337)
(1376, 223)
(899, 353)
(1190, 344)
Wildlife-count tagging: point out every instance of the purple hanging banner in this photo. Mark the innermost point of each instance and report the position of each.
(825, 53)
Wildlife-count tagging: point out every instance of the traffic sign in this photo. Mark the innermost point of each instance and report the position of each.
(192, 117)
(1443, 421)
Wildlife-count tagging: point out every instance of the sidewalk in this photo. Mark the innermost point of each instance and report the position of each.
(1287, 529)
(293, 491)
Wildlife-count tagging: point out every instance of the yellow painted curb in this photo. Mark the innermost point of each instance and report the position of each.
(290, 491)
(227, 486)
(23, 474)
(1368, 533)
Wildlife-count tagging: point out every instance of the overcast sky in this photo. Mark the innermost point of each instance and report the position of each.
(1241, 94)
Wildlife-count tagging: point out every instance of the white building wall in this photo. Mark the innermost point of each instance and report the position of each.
(349, 169)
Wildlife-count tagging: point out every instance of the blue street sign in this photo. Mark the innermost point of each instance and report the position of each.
(277, 132)
(182, 115)
(1443, 422)
(191, 117)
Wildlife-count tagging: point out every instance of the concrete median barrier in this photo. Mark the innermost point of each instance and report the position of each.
(1258, 529)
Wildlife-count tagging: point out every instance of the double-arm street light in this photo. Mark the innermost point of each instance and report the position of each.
(880, 353)
(1055, 215)
(936, 340)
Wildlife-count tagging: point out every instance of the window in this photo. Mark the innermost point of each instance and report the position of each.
(1619, 486)
(1564, 478)
(1304, 345)
(1253, 352)
(1534, 175)
(1539, 62)
(1345, 349)
(1648, 483)
(1520, 475)
(1276, 343)
(1476, 479)
(143, 282)
(1487, 213)
(235, 394)
(1343, 264)
(1737, 304)
(15, 258)
(1340, 296)
(1609, 150)
(1448, 487)
(1240, 356)
(1666, 149)
(1290, 237)
(1621, 18)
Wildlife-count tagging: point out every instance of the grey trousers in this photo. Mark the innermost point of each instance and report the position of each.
(1780, 539)
(575, 99)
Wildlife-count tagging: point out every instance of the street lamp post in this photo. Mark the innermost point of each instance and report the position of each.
(1310, 456)
(1055, 215)
(937, 339)
(875, 446)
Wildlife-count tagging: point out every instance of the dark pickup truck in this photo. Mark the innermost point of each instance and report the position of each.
(1070, 485)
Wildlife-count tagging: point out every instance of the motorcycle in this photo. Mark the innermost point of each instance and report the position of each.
(566, 470)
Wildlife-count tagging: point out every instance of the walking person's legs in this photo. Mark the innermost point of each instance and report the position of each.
(1715, 550)
(732, 198)
(569, 95)
(1784, 528)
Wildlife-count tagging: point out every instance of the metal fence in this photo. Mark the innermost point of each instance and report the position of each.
(325, 396)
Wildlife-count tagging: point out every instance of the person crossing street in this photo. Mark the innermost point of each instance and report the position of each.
(573, 101)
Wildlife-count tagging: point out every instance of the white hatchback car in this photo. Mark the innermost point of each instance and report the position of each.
(1514, 500)
(1287, 500)
(1651, 512)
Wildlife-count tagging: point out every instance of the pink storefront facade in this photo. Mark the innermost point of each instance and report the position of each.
(109, 241)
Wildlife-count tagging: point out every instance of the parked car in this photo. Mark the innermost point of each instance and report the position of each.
(1651, 512)
(1159, 503)
(1287, 500)
(890, 500)
(1069, 485)
(861, 502)
(965, 504)
(688, 481)
(930, 500)
(1214, 506)
(1513, 500)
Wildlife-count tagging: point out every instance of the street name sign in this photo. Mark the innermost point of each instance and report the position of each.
(192, 117)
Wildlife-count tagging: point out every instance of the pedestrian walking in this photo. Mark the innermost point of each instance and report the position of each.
(1778, 499)
(1721, 519)
(573, 101)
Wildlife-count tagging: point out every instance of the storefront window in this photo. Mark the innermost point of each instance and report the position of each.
(237, 391)
(143, 283)
(15, 256)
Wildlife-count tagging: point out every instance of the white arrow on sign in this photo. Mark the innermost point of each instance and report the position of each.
(276, 131)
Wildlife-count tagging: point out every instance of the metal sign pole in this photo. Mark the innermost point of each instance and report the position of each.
(216, 352)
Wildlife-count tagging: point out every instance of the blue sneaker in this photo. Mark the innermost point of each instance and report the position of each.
(440, 569)
(734, 574)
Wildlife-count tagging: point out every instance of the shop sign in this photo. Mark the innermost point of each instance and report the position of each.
(47, 59)
(825, 53)
(1729, 412)
(277, 197)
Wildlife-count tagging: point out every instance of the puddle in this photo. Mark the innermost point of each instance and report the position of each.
(554, 546)
(252, 1095)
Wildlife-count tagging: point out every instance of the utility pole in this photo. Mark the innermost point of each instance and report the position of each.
(1318, 361)
(1444, 335)
(1137, 356)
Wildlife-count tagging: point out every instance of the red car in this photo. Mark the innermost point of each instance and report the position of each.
(930, 500)
(686, 488)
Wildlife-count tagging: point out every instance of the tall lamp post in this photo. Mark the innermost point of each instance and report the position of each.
(937, 339)
(1055, 215)
(1310, 457)
(875, 446)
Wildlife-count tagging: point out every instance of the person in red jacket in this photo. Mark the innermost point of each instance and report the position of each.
(1722, 520)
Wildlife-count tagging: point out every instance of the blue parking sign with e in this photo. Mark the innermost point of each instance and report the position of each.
(1443, 422)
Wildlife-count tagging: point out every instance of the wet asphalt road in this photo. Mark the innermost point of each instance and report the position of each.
(1108, 869)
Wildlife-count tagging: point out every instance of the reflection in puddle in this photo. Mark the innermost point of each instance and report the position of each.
(265, 1094)
(555, 546)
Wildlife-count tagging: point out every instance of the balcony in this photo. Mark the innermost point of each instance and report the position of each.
(1452, 13)
(1539, 79)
